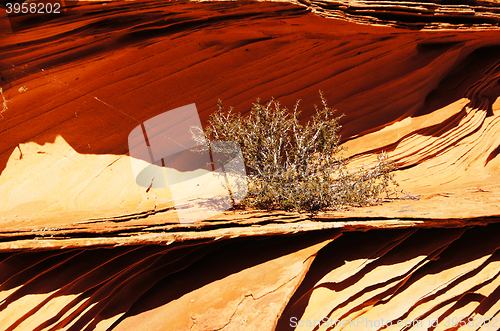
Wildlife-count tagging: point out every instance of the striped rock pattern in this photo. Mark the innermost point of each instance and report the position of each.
(82, 247)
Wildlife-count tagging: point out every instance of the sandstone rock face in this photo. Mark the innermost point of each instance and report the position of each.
(413, 14)
(362, 279)
(83, 247)
(427, 98)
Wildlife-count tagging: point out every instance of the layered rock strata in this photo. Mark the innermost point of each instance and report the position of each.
(372, 279)
(82, 247)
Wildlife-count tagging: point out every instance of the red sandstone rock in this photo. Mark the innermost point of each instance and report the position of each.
(84, 248)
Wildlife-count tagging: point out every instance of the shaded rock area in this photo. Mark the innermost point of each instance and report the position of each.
(400, 275)
(83, 247)
(198, 285)
(264, 283)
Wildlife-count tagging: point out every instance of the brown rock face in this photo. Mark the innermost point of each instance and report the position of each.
(413, 14)
(368, 279)
(83, 247)
(90, 76)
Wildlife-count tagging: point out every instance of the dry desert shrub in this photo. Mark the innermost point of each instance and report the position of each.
(294, 166)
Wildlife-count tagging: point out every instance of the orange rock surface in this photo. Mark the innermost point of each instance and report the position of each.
(84, 248)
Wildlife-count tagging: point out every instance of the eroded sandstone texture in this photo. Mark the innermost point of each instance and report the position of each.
(82, 247)
(261, 283)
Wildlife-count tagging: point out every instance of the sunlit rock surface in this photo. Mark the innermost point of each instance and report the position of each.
(83, 247)
(438, 14)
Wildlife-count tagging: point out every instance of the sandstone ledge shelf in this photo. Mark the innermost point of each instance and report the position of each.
(105, 233)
